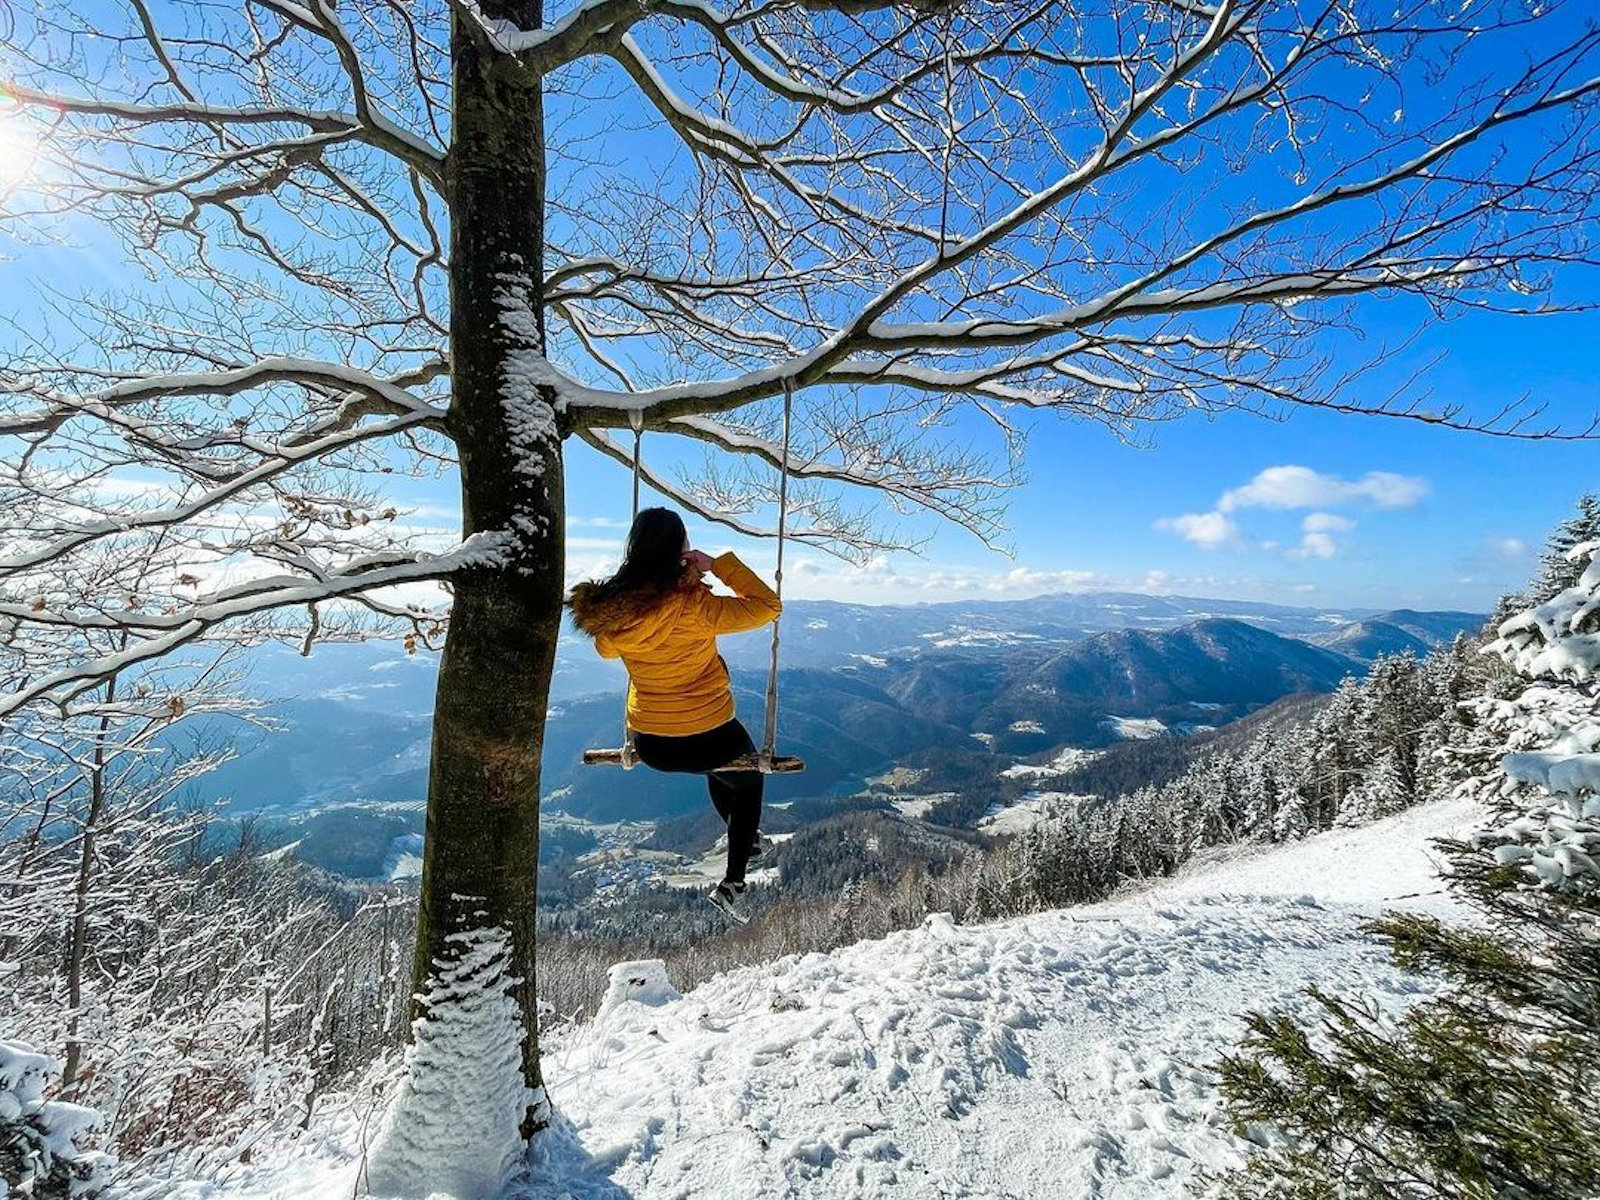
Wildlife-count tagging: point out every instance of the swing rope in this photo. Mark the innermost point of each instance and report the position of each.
(635, 418)
(769, 744)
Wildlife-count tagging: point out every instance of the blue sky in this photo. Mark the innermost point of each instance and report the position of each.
(1344, 511)
(1461, 526)
(1320, 508)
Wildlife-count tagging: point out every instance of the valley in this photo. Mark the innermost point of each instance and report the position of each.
(927, 730)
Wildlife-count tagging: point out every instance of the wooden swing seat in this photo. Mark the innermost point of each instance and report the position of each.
(779, 764)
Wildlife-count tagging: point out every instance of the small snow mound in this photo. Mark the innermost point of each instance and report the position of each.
(641, 982)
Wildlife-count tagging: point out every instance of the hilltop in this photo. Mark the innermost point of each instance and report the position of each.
(1061, 1054)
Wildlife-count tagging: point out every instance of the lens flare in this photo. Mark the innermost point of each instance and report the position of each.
(19, 151)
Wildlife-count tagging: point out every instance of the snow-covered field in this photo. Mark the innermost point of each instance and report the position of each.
(1033, 808)
(1069, 758)
(1058, 1055)
(1135, 727)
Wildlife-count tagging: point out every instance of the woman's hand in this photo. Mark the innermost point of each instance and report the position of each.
(697, 560)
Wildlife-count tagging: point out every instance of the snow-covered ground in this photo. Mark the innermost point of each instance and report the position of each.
(918, 807)
(1031, 810)
(1135, 727)
(1058, 1055)
(1067, 759)
(709, 870)
(1389, 864)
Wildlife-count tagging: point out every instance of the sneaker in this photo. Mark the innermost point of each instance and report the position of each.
(724, 897)
(762, 845)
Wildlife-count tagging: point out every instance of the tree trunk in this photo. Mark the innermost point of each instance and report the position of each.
(474, 966)
(76, 946)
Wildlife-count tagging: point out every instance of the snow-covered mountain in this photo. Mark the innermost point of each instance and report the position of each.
(1062, 1054)
(1396, 632)
(863, 686)
(826, 633)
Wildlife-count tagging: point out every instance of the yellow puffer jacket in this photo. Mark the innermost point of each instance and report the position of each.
(677, 682)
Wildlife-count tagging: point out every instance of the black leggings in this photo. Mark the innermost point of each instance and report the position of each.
(736, 795)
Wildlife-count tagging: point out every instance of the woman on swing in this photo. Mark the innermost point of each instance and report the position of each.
(658, 616)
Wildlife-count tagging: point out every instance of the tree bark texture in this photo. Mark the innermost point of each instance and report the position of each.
(480, 864)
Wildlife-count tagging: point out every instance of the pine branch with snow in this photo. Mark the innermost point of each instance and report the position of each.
(1490, 1090)
(1545, 788)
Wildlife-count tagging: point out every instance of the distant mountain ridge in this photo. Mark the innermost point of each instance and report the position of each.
(1396, 632)
(1197, 676)
(863, 687)
(1229, 661)
(824, 632)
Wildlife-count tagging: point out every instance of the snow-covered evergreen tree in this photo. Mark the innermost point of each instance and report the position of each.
(1560, 565)
(1260, 788)
(1381, 793)
(1339, 757)
(1491, 1090)
(1297, 812)
(47, 1149)
(1545, 788)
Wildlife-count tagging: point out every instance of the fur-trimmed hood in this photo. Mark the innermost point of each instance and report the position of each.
(597, 613)
(677, 682)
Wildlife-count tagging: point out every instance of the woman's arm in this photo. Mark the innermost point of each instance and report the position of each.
(753, 606)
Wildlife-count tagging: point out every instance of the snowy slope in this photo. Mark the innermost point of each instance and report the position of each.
(1059, 1055)
(1389, 864)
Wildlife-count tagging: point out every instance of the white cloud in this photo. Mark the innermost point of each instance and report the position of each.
(1025, 579)
(1301, 487)
(1314, 545)
(1497, 563)
(1208, 530)
(1509, 547)
(1290, 487)
(1326, 522)
(1317, 535)
(590, 566)
(880, 581)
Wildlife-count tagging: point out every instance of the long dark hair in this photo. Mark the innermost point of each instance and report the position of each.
(653, 563)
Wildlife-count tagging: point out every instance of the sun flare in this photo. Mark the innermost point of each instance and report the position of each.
(19, 151)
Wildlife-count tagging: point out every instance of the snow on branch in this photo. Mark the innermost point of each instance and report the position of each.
(157, 634)
(815, 518)
(594, 23)
(368, 394)
(881, 455)
(370, 128)
(1426, 210)
(1559, 638)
